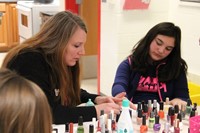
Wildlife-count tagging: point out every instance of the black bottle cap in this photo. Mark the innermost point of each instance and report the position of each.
(176, 109)
(179, 116)
(66, 127)
(91, 128)
(169, 111)
(80, 120)
(139, 105)
(172, 111)
(140, 113)
(117, 116)
(157, 118)
(143, 119)
(102, 112)
(151, 114)
(195, 105)
(192, 113)
(106, 131)
(143, 103)
(188, 102)
(145, 109)
(161, 105)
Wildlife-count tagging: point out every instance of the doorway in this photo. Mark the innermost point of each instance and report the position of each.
(89, 10)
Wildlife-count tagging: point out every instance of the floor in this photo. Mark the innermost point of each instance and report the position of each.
(89, 85)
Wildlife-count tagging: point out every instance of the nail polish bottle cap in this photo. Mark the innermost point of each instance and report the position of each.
(143, 119)
(143, 105)
(157, 119)
(139, 105)
(195, 106)
(149, 103)
(169, 111)
(140, 113)
(176, 108)
(167, 101)
(154, 103)
(161, 105)
(179, 116)
(151, 114)
(172, 111)
(188, 102)
(91, 128)
(66, 127)
(145, 108)
(125, 103)
(102, 112)
(192, 113)
(80, 120)
(106, 131)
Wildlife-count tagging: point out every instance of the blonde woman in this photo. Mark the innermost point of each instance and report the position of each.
(51, 60)
(23, 106)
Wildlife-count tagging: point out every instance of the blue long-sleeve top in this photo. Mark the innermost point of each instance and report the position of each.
(143, 88)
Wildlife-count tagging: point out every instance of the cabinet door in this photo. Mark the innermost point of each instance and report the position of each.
(3, 25)
(13, 36)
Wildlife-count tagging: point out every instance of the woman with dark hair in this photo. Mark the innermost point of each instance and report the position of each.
(155, 68)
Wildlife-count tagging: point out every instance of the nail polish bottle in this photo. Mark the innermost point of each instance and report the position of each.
(149, 107)
(183, 111)
(113, 125)
(66, 127)
(139, 106)
(167, 105)
(151, 119)
(188, 107)
(192, 113)
(172, 117)
(71, 127)
(176, 127)
(143, 105)
(145, 111)
(143, 127)
(161, 111)
(80, 128)
(155, 107)
(166, 127)
(176, 110)
(139, 117)
(91, 128)
(169, 115)
(195, 109)
(180, 121)
(157, 125)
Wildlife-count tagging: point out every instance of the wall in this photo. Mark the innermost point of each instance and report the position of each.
(187, 16)
(120, 30)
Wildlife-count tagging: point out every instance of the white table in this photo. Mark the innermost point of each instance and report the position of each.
(61, 128)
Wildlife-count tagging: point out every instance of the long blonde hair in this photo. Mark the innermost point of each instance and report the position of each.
(23, 106)
(52, 40)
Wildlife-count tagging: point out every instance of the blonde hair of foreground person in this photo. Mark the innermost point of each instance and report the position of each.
(23, 106)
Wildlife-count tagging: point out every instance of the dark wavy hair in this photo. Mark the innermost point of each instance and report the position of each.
(173, 62)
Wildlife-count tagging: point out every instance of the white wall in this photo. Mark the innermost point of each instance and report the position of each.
(120, 30)
(187, 16)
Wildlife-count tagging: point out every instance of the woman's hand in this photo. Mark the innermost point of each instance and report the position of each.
(122, 95)
(107, 107)
(177, 101)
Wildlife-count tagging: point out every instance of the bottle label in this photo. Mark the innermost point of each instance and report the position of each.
(124, 131)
